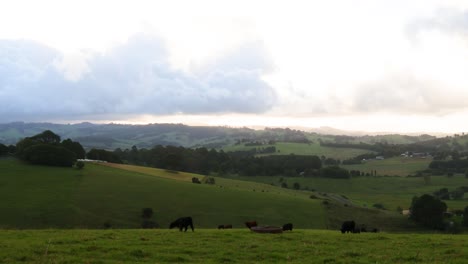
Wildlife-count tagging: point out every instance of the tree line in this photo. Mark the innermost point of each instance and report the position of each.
(47, 148)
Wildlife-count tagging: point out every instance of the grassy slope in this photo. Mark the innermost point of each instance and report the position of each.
(306, 149)
(234, 246)
(389, 191)
(40, 197)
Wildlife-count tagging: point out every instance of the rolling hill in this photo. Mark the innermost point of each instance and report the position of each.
(52, 197)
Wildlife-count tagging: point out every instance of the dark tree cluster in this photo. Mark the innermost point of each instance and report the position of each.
(457, 194)
(101, 154)
(449, 166)
(335, 172)
(465, 217)
(428, 211)
(5, 150)
(47, 149)
(204, 161)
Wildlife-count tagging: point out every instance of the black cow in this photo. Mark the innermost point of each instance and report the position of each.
(287, 226)
(348, 226)
(250, 224)
(181, 223)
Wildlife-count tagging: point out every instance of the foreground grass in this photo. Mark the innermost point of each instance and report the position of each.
(230, 246)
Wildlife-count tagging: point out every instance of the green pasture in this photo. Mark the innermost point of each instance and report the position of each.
(227, 246)
(398, 166)
(367, 191)
(285, 148)
(52, 197)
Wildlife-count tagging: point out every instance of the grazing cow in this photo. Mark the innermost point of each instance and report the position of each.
(347, 226)
(181, 223)
(224, 226)
(287, 226)
(250, 224)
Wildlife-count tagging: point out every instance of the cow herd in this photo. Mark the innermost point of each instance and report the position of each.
(346, 227)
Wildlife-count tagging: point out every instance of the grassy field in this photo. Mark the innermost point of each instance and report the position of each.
(392, 166)
(227, 246)
(367, 191)
(52, 197)
(306, 149)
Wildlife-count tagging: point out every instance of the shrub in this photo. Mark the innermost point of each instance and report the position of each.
(195, 180)
(79, 165)
(210, 180)
(107, 225)
(147, 213)
(379, 206)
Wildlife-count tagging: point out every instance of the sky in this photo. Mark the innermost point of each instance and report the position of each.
(376, 66)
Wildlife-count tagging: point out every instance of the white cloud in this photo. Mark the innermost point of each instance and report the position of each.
(318, 59)
(134, 78)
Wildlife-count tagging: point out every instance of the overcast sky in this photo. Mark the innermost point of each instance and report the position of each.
(397, 66)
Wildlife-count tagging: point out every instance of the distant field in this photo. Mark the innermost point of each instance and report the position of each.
(306, 149)
(367, 191)
(51, 197)
(232, 246)
(392, 166)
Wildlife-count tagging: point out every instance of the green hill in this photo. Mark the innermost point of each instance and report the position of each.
(51, 197)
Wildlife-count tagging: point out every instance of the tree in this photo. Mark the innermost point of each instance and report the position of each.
(101, 154)
(46, 154)
(147, 213)
(442, 194)
(74, 147)
(3, 149)
(210, 180)
(296, 186)
(79, 165)
(45, 149)
(335, 172)
(46, 137)
(428, 211)
(465, 217)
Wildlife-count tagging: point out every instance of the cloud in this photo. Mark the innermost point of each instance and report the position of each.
(447, 20)
(135, 78)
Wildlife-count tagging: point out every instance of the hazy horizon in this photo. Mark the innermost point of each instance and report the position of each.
(371, 66)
